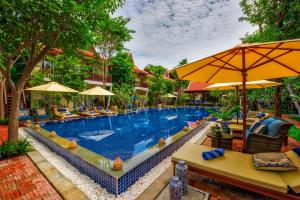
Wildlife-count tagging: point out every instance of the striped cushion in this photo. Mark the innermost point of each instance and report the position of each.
(207, 155)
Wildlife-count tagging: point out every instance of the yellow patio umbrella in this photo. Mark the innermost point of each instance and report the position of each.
(52, 87)
(97, 91)
(237, 85)
(246, 62)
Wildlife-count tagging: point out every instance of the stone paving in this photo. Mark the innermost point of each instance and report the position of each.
(20, 179)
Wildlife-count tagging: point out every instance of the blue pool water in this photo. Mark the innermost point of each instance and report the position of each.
(126, 135)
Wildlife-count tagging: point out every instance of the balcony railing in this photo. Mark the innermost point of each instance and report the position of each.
(99, 77)
(141, 84)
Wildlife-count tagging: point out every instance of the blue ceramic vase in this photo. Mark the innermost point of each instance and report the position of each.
(175, 188)
(182, 173)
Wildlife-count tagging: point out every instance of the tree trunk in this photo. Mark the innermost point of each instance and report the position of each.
(289, 88)
(2, 107)
(156, 99)
(277, 102)
(13, 124)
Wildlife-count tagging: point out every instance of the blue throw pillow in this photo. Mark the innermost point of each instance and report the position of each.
(63, 110)
(254, 126)
(297, 150)
(273, 128)
(247, 133)
(207, 155)
(267, 121)
(260, 115)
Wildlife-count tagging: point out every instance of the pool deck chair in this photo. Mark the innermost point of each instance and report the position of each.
(235, 168)
(84, 111)
(63, 113)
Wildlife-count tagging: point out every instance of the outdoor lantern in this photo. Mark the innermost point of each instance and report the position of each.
(118, 164)
(37, 127)
(52, 134)
(73, 144)
(162, 142)
(28, 123)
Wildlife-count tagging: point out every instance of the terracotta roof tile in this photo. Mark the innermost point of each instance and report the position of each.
(197, 87)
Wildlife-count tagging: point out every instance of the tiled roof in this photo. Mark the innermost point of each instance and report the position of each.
(140, 71)
(197, 87)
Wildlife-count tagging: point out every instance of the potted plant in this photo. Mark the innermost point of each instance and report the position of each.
(225, 114)
(217, 131)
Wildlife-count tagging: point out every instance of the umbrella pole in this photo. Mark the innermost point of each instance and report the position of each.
(244, 74)
(237, 103)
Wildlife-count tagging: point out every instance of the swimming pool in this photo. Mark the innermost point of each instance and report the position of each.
(134, 137)
(126, 135)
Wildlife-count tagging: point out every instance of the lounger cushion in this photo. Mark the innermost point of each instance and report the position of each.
(273, 161)
(274, 127)
(43, 116)
(260, 115)
(292, 178)
(234, 165)
(62, 110)
(254, 126)
(24, 118)
(261, 129)
(267, 121)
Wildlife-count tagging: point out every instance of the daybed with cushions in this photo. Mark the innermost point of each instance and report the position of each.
(40, 114)
(105, 112)
(237, 169)
(25, 114)
(86, 112)
(252, 116)
(63, 113)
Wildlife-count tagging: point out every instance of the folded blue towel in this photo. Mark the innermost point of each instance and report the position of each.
(207, 155)
(297, 150)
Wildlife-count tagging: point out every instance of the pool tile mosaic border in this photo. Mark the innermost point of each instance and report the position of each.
(115, 185)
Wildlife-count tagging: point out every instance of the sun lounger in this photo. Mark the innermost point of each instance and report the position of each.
(105, 112)
(84, 111)
(237, 169)
(63, 113)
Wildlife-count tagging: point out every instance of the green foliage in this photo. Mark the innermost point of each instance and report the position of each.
(9, 149)
(122, 97)
(156, 70)
(294, 132)
(122, 69)
(296, 117)
(37, 78)
(158, 83)
(183, 99)
(225, 113)
(225, 98)
(111, 34)
(69, 71)
(4, 121)
(277, 20)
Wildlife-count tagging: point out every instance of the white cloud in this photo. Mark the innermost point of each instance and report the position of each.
(170, 30)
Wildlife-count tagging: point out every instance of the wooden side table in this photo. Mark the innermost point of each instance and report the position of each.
(221, 142)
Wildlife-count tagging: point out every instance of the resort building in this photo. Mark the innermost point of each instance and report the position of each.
(198, 91)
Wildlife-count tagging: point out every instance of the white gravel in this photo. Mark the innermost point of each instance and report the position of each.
(93, 190)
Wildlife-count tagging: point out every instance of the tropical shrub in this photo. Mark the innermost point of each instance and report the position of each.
(9, 149)
(294, 132)
(224, 113)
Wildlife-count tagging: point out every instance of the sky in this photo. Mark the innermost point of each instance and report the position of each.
(166, 31)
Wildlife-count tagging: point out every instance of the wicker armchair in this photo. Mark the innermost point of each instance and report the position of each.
(258, 143)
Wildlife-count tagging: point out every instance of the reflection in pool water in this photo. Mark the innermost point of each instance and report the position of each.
(126, 135)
